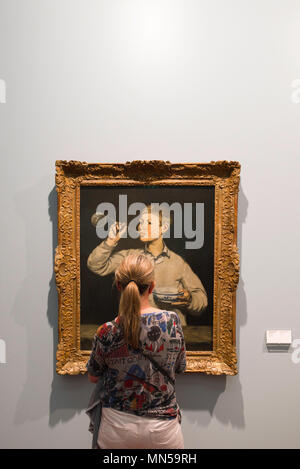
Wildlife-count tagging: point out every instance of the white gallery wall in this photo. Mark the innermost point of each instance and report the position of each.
(177, 80)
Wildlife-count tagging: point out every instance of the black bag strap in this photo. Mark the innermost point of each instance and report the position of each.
(160, 368)
(154, 362)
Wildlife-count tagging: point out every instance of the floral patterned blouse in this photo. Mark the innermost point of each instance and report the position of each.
(131, 382)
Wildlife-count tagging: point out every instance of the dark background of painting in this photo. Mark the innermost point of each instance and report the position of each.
(99, 300)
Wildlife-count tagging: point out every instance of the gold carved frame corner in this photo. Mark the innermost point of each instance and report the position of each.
(224, 176)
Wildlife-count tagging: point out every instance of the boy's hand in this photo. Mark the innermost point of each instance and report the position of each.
(115, 232)
(184, 299)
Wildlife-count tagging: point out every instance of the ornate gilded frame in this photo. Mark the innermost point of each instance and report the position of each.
(224, 175)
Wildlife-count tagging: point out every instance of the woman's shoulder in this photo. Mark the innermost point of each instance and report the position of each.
(170, 313)
(162, 314)
(106, 329)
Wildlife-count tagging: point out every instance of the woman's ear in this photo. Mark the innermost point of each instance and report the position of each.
(118, 286)
(151, 287)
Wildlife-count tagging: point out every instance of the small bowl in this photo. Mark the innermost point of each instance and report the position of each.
(167, 294)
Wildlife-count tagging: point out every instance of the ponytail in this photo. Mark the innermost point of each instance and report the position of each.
(135, 274)
(129, 314)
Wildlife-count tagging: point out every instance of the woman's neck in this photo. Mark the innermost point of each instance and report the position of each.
(145, 306)
(145, 303)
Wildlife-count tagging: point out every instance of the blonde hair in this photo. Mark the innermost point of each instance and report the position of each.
(135, 274)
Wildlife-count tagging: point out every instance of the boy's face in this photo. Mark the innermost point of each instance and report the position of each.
(149, 226)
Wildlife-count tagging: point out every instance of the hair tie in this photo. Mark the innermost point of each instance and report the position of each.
(125, 285)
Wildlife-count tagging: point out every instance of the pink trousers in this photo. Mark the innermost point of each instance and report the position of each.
(123, 430)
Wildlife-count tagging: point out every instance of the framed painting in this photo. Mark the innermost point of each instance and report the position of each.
(182, 215)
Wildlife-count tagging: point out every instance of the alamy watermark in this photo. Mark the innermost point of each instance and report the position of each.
(295, 96)
(2, 91)
(2, 351)
(149, 221)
